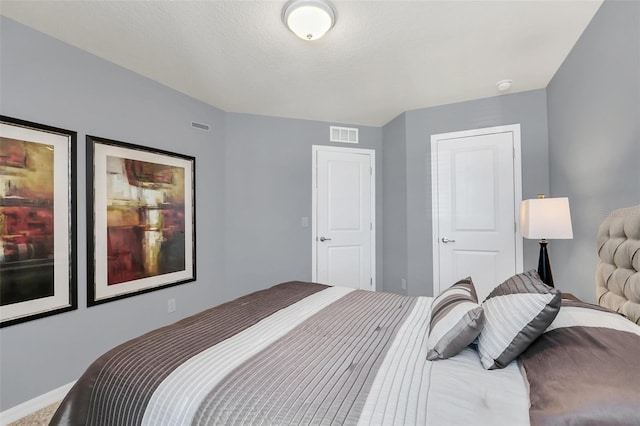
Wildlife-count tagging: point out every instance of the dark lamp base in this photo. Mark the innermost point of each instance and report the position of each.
(544, 267)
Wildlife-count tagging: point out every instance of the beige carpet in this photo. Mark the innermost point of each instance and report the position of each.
(39, 418)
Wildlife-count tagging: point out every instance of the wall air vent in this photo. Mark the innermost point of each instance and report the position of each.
(343, 134)
(200, 126)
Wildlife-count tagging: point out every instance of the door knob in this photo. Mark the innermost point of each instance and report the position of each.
(325, 239)
(446, 240)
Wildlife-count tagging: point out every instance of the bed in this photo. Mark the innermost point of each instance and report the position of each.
(306, 353)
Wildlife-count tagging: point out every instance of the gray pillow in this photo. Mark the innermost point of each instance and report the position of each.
(516, 313)
(456, 320)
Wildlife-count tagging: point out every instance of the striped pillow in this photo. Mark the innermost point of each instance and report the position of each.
(456, 320)
(516, 313)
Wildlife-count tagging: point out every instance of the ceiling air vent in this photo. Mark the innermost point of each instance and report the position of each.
(343, 134)
(200, 126)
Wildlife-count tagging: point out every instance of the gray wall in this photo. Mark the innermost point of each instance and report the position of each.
(593, 104)
(528, 109)
(49, 82)
(394, 230)
(268, 188)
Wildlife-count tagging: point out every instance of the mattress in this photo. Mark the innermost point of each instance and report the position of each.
(304, 353)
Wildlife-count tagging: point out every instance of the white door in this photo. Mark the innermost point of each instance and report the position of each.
(476, 191)
(343, 217)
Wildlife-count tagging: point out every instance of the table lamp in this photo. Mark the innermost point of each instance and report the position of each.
(543, 219)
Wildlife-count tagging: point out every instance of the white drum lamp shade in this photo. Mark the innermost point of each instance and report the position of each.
(546, 218)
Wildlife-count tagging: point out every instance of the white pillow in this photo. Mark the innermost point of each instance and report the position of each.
(516, 313)
(456, 320)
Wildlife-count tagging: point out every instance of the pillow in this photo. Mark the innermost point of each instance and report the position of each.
(456, 320)
(516, 313)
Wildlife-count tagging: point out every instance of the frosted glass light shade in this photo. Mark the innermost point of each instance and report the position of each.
(546, 218)
(309, 19)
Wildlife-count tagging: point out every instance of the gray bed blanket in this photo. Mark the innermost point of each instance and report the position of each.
(319, 372)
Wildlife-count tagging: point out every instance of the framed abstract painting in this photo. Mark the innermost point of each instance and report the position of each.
(140, 219)
(37, 221)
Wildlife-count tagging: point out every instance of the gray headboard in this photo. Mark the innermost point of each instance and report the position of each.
(617, 274)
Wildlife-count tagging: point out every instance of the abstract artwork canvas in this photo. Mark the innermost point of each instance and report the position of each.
(141, 219)
(37, 221)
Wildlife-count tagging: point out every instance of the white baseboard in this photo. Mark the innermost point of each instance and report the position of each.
(35, 404)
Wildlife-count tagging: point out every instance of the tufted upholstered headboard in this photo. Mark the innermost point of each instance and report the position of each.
(617, 274)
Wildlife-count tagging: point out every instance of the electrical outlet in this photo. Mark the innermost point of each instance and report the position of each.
(171, 305)
(403, 283)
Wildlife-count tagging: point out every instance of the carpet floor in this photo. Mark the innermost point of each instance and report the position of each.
(39, 418)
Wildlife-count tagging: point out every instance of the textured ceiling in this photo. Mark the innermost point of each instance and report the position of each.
(380, 59)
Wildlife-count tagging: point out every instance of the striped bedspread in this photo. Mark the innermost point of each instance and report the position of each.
(297, 353)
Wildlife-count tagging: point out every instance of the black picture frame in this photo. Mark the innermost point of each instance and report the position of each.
(141, 219)
(38, 260)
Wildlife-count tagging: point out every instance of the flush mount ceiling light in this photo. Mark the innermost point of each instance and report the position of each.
(309, 19)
